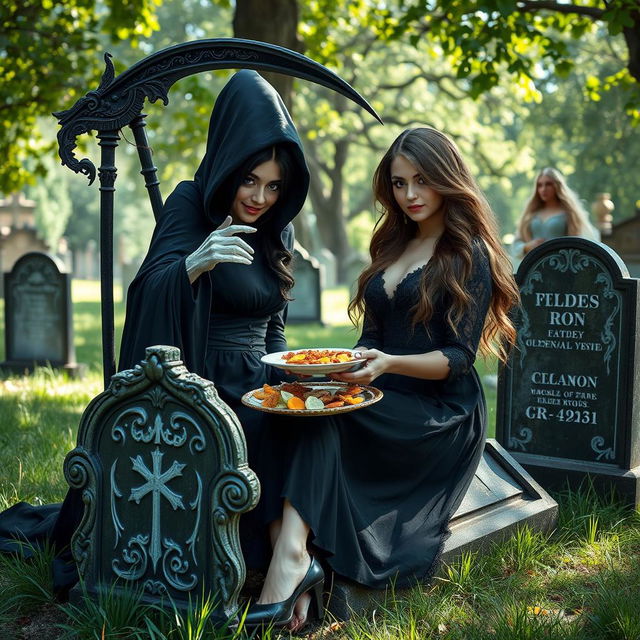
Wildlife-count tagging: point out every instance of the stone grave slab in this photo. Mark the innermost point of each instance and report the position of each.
(306, 305)
(161, 463)
(38, 315)
(568, 398)
(502, 497)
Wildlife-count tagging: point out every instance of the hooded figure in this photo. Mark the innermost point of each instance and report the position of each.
(223, 322)
(209, 315)
(227, 318)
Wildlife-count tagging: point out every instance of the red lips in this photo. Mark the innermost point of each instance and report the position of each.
(415, 207)
(251, 210)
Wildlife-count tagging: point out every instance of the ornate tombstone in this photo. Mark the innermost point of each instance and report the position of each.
(161, 463)
(568, 399)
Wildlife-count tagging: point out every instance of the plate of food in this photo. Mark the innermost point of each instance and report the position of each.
(315, 362)
(311, 398)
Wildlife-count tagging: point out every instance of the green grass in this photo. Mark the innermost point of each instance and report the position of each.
(580, 582)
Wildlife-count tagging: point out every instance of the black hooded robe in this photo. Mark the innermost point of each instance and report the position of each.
(226, 320)
(234, 314)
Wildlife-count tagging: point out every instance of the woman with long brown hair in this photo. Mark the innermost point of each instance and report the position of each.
(553, 210)
(370, 493)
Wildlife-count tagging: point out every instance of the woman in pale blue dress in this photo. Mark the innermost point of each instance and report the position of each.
(553, 211)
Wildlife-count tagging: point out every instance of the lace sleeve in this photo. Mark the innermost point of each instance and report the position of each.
(460, 347)
(370, 336)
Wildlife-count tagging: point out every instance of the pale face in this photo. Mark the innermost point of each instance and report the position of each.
(258, 192)
(418, 201)
(546, 189)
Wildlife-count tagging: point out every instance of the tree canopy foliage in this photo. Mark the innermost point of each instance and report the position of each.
(488, 40)
(519, 85)
(49, 55)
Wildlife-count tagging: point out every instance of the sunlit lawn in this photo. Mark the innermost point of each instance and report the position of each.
(581, 582)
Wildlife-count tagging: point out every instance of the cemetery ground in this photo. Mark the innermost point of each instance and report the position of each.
(580, 582)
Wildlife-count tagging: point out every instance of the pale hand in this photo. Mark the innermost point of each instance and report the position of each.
(221, 245)
(377, 363)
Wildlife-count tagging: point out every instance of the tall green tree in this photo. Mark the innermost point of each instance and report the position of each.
(177, 132)
(586, 138)
(49, 56)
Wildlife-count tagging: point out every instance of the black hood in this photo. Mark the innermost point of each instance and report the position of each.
(248, 116)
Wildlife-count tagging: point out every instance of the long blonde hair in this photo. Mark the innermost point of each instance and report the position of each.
(577, 218)
(467, 216)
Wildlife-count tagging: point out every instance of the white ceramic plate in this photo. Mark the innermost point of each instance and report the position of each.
(276, 360)
(370, 394)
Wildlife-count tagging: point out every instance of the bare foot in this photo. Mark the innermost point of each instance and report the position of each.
(300, 613)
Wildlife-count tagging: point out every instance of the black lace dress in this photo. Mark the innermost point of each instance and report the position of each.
(378, 485)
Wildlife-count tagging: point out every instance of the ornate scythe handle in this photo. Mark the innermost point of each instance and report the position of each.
(118, 102)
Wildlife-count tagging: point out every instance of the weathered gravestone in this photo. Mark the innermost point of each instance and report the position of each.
(162, 466)
(568, 400)
(357, 262)
(328, 267)
(38, 315)
(306, 305)
(501, 498)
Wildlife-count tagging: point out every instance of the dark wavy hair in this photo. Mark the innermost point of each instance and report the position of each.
(278, 256)
(467, 219)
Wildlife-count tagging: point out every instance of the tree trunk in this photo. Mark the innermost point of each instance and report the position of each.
(632, 38)
(273, 21)
(276, 22)
(329, 208)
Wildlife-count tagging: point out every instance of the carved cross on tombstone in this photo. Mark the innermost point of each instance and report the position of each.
(156, 442)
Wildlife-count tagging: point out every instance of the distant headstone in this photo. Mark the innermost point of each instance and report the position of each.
(568, 400)
(38, 315)
(129, 272)
(162, 465)
(356, 264)
(329, 266)
(18, 233)
(306, 305)
(624, 239)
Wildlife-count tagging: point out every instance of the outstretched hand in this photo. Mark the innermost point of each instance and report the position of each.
(221, 245)
(377, 363)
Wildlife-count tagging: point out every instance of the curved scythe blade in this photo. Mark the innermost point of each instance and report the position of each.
(118, 100)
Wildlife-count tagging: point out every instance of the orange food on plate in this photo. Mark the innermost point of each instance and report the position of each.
(296, 396)
(317, 356)
(295, 403)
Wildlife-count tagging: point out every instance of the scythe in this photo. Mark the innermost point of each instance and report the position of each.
(118, 102)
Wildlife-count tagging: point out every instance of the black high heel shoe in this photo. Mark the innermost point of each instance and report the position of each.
(280, 614)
